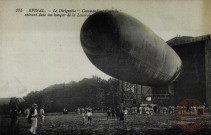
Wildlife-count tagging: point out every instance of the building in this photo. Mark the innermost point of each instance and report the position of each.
(195, 79)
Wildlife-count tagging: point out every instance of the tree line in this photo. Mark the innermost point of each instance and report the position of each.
(94, 92)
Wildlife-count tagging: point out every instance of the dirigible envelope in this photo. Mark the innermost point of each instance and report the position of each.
(123, 47)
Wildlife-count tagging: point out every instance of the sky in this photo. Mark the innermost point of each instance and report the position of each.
(36, 52)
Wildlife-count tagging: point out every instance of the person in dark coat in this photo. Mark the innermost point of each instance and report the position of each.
(14, 125)
(113, 112)
(155, 109)
(117, 113)
(109, 114)
(121, 115)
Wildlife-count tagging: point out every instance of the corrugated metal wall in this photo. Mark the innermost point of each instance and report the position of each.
(208, 71)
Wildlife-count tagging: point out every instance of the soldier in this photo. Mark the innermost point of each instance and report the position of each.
(42, 114)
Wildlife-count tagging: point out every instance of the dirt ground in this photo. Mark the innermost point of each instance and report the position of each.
(64, 124)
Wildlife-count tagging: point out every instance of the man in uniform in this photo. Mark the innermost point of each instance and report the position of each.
(42, 114)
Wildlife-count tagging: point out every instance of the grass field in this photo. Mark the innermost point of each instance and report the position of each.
(59, 124)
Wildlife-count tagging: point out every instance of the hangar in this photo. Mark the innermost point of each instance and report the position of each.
(195, 79)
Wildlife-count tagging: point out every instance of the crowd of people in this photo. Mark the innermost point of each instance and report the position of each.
(121, 113)
(86, 114)
(199, 110)
(31, 114)
(112, 113)
(165, 110)
(151, 110)
(118, 113)
(32, 117)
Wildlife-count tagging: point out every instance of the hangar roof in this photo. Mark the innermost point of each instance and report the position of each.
(187, 39)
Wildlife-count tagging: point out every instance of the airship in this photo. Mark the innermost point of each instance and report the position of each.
(124, 48)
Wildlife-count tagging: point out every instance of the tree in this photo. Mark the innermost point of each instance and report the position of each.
(14, 102)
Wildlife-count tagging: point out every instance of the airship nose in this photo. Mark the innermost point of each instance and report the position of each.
(99, 33)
